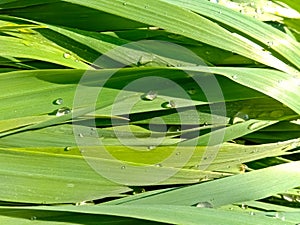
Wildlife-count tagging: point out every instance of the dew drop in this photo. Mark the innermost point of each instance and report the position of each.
(205, 178)
(270, 44)
(252, 213)
(276, 113)
(170, 104)
(70, 185)
(256, 125)
(125, 3)
(288, 198)
(234, 77)
(80, 135)
(204, 205)
(67, 55)
(33, 218)
(63, 111)
(150, 96)
(243, 168)
(80, 203)
(153, 28)
(158, 165)
(177, 153)
(58, 101)
(243, 206)
(267, 52)
(138, 191)
(151, 147)
(258, 11)
(68, 148)
(123, 167)
(240, 117)
(192, 91)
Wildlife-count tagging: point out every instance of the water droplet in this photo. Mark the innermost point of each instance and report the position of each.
(256, 125)
(123, 167)
(33, 218)
(58, 101)
(178, 153)
(192, 91)
(234, 77)
(150, 96)
(146, 7)
(80, 135)
(170, 104)
(205, 178)
(80, 203)
(270, 44)
(258, 11)
(243, 168)
(63, 111)
(276, 113)
(138, 191)
(204, 205)
(243, 206)
(240, 117)
(207, 52)
(68, 148)
(67, 55)
(252, 213)
(287, 197)
(254, 151)
(153, 28)
(70, 185)
(158, 165)
(124, 3)
(151, 147)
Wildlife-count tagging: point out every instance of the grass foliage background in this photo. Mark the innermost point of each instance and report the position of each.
(250, 47)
